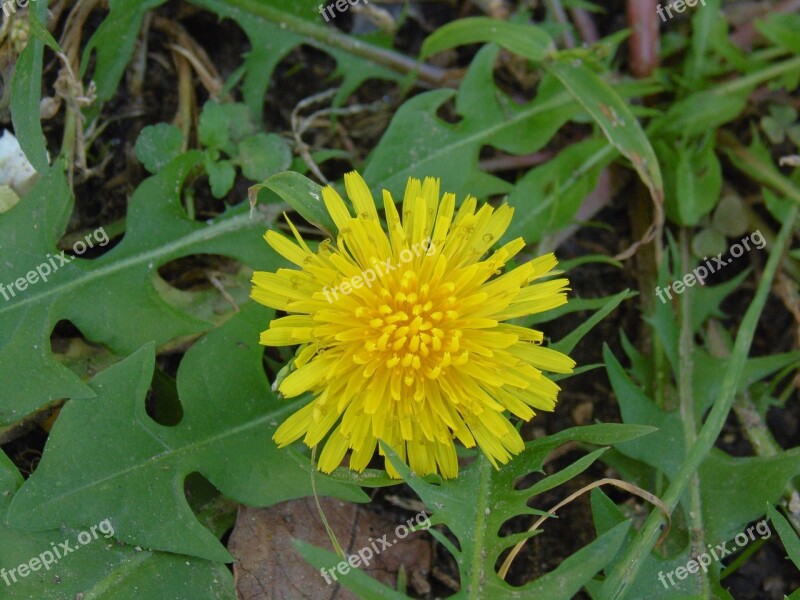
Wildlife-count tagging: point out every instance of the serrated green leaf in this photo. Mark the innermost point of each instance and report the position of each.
(648, 585)
(577, 569)
(110, 299)
(101, 569)
(106, 458)
(418, 143)
(733, 490)
(476, 505)
(276, 27)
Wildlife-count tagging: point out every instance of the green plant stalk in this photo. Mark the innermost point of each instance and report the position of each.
(741, 559)
(758, 77)
(686, 402)
(634, 556)
(333, 37)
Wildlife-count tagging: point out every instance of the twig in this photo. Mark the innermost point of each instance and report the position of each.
(214, 280)
(300, 126)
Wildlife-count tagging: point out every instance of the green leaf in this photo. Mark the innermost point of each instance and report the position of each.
(102, 568)
(221, 176)
(708, 242)
(774, 131)
(733, 490)
(40, 32)
(26, 86)
(276, 27)
(547, 197)
(157, 145)
(113, 44)
(568, 342)
(476, 505)
(262, 155)
(648, 585)
(418, 143)
(730, 216)
(131, 313)
(301, 194)
(222, 123)
(789, 538)
(613, 116)
(354, 579)
(781, 29)
(526, 40)
(578, 569)
(106, 458)
(701, 112)
(597, 97)
(693, 181)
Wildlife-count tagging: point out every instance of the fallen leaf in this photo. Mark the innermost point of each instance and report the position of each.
(268, 566)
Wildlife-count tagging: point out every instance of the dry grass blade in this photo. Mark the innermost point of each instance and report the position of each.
(623, 485)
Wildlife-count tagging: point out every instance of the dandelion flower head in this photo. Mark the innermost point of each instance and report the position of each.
(402, 330)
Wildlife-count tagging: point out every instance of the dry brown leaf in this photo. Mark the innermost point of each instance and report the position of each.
(268, 566)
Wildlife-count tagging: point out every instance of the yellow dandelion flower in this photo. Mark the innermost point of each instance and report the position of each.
(401, 333)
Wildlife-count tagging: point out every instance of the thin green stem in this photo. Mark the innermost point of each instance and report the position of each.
(753, 79)
(631, 562)
(741, 559)
(687, 409)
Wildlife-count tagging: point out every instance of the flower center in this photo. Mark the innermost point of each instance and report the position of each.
(413, 329)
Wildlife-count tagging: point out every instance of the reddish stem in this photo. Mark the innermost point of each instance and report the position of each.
(643, 21)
